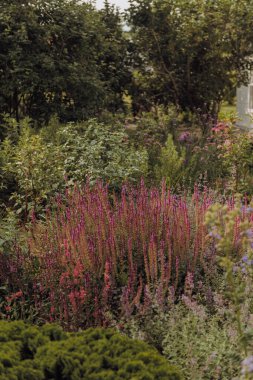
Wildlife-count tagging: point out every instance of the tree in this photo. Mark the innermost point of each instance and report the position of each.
(191, 51)
(115, 67)
(59, 57)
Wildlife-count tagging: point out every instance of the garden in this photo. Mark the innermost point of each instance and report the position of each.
(126, 230)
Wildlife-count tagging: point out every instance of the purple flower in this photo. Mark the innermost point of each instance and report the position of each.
(249, 233)
(245, 259)
(247, 365)
(246, 209)
(214, 234)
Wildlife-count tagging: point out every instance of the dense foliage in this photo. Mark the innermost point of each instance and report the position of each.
(145, 241)
(60, 57)
(205, 343)
(119, 184)
(190, 51)
(156, 266)
(70, 59)
(145, 245)
(29, 352)
(37, 165)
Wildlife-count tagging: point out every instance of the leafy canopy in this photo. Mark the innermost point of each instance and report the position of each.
(190, 52)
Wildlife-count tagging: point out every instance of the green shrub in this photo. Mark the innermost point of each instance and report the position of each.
(151, 130)
(170, 163)
(99, 152)
(204, 346)
(28, 352)
(36, 166)
(222, 160)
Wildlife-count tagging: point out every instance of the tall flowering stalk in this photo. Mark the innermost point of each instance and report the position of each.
(97, 251)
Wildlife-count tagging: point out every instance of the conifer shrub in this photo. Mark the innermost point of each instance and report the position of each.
(30, 352)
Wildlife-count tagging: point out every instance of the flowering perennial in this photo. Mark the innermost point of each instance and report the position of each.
(98, 252)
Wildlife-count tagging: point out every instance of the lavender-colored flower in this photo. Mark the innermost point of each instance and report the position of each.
(214, 234)
(245, 259)
(249, 233)
(247, 365)
(247, 210)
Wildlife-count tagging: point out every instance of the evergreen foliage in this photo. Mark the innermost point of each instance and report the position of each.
(47, 353)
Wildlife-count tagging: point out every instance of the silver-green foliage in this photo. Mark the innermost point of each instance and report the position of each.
(204, 346)
(99, 152)
(38, 165)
